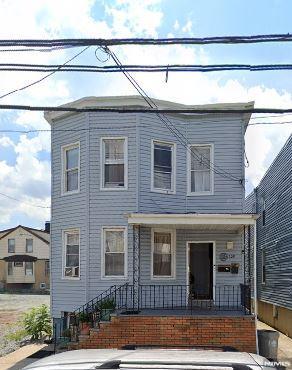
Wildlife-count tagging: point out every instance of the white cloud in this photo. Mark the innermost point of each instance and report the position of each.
(176, 25)
(5, 142)
(187, 28)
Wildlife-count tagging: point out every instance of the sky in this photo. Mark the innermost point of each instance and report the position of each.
(25, 158)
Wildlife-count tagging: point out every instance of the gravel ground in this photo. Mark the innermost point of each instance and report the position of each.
(12, 307)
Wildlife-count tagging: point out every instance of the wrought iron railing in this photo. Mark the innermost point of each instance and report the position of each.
(154, 297)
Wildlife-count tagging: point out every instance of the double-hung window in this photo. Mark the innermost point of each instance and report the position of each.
(71, 254)
(10, 268)
(47, 268)
(28, 268)
(29, 245)
(200, 176)
(163, 254)
(11, 245)
(163, 167)
(114, 163)
(114, 252)
(71, 168)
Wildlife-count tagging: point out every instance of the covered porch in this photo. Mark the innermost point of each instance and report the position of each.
(191, 262)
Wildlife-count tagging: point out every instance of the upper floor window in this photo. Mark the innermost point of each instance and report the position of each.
(200, 173)
(29, 268)
(114, 163)
(114, 249)
(71, 168)
(163, 254)
(10, 268)
(11, 245)
(71, 254)
(163, 167)
(29, 245)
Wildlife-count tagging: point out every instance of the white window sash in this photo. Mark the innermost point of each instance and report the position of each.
(66, 233)
(209, 170)
(65, 171)
(109, 161)
(103, 254)
(172, 189)
(172, 253)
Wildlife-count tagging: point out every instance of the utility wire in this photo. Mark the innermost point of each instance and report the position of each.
(144, 110)
(45, 77)
(177, 133)
(18, 200)
(18, 67)
(39, 43)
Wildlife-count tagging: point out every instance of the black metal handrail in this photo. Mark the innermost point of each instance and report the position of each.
(156, 297)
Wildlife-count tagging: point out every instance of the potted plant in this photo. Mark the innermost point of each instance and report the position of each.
(106, 307)
(84, 319)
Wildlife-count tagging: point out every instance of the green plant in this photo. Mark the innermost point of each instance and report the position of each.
(84, 317)
(107, 304)
(37, 322)
(17, 335)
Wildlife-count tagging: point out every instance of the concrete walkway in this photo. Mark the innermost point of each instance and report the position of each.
(17, 360)
(284, 346)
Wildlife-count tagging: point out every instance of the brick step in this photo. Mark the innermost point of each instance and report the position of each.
(237, 332)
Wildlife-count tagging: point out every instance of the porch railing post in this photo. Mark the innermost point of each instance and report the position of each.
(136, 266)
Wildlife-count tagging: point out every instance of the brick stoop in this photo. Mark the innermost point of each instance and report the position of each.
(237, 332)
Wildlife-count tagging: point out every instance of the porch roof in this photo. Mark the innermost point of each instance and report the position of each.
(204, 222)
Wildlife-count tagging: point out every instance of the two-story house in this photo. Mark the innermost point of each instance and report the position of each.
(154, 223)
(25, 259)
(272, 199)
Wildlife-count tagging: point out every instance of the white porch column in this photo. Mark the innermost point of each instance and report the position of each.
(136, 266)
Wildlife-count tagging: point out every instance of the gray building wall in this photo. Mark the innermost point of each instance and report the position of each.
(92, 208)
(275, 237)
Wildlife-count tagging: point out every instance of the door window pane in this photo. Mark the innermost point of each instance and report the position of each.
(10, 268)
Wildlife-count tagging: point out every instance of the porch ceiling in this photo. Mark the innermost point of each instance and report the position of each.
(202, 222)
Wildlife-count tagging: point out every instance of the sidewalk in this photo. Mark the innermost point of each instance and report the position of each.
(285, 343)
(17, 360)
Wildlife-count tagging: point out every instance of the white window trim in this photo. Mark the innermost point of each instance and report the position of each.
(102, 260)
(173, 168)
(173, 253)
(201, 193)
(8, 245)
(76, 229)
(64, 148)
(125, 187)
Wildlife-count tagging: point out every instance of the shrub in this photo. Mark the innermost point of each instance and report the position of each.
(37, 322)
(107, 304)
(84, 317)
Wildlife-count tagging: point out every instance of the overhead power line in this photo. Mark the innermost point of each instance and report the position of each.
(18, 67)
(144, 110)
(20, 201)
(53, 43)
(45, 77)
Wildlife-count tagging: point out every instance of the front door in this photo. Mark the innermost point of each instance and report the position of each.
(201, 270)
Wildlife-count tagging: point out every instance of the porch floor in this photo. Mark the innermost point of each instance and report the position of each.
(183, 312)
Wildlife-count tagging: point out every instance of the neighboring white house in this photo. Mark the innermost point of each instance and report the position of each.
(25, 259)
